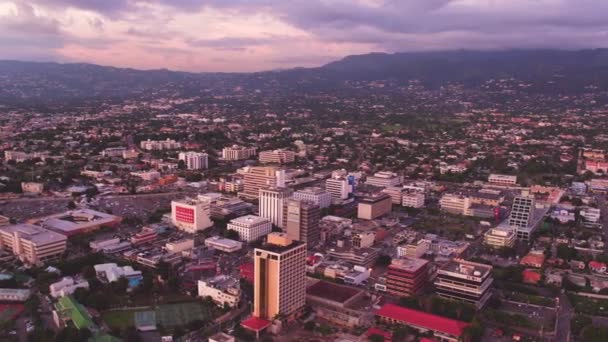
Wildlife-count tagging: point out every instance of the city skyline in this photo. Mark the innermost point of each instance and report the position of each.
(245, 36)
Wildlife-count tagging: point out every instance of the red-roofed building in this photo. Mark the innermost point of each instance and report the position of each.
(256, 325)
(375, 331)
(533, 260)
(531, 276)
(597, 267)
(444, 329)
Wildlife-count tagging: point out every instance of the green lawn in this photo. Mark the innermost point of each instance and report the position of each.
(119, 318)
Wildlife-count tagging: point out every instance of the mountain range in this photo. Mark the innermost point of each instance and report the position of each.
(547, 70)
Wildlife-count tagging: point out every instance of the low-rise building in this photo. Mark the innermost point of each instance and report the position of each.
(250, 227)
(222, 289)
(413, 199)
(179, 246)
(79, 221)
(111, 272)
(372, 207)
(14, 295)
(32, 244)
(224, 245)
(500, 237)
(67, 286)
(466, 281)
(505, 180)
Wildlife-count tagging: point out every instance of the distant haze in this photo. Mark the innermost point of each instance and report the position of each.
(253, 35)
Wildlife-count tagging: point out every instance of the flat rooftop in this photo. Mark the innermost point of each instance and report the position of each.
(331, 291)
(249, 219)
(408, 264)
(35, 234)
(467, 268)
(72, 221)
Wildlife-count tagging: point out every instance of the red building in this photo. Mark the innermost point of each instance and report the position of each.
(144, 236)
(444, 329)
(407, 276)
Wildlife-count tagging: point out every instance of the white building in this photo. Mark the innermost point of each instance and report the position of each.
(32, 244)
(179, 246)
(413, 200)
(222, 289)
(500, 237)
(384, 179)
(277, 157)
(14, 295)
(157, 145)
(454, 203)
(505, 180)
(191, 215)
(67, 286)
(113, 151)
(272, 203)
(591, 217)
(250, 227)
(236, 152)
(195, 160)
(146, 175)
(111, 272)
(224, 245)
(340, 185)
(414, 250)
(318, 196)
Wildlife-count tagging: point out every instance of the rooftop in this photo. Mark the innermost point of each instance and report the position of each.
(249, 219)
(467, 268)
(280, 248)
(423, 319)
(331, 291)
(408, 264)
(35, 234)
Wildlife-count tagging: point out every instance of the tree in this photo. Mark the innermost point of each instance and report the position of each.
(310, 325)
(71, 205)
(231, 234)
(566, 252)
(376, 338)
(383, 260)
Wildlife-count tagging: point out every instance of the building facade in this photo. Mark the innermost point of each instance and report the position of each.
(407, 276)
(277, 157)
(280, 278)
(32, 244)
(272, 204)
(250, 227)
(372, 207)
(259, 177)
(465, 281)
(195, 160)
(318, 196)
(191, 215)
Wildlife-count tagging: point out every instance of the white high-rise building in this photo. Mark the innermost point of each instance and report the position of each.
(318, 196)
(236, 152)
(250, 227)
(272, 202)
(191, 215)
(195, 160)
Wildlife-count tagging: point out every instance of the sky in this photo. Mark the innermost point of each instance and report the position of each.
(254, 35)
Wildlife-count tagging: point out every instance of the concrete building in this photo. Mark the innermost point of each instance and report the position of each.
(179, 246)
(301, 221)
(260, 177)
(339, 304)
(415, 249)
(221, 337)
(395, 192)
(407, 276)
(318, 196)
(465, 281)
(32, 244)
(384, 179)
(454, 203)
(195, 160)
(159, 145)
(223, 206)
(505, 180)
(280, 278)
(236, 152)
(363, 239)
(191, 215)
(591, 217)
(79, 221)
(32, 187)
(272, 204)
(113, 151)
(223, 245)
(413, 200)
(250, 227)
(223, 290)
(14, 295)
(372, 207)
(500, 237)
(277, 157)
(67, 286)
(110, 272)
(340, 186)
(521, 215)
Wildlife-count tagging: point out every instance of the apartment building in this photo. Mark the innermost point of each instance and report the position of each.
(277, 157)
(236, 152)
(194, 160)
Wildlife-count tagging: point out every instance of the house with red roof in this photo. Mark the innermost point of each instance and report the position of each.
(443, 329)
(533, 260)
(597, 267)
(375, 331)
(531, 276)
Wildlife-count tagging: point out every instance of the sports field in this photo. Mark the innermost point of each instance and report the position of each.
(10, 312)
(171, 315)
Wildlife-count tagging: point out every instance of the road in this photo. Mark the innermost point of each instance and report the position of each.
(565, 312)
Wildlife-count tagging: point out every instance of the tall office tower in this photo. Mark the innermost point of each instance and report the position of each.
(191, 215)
(301, 221)
(272, 204)
(195, 160)
(280, 277)
(316, 195)
(521, 213)
(277, 157)
(258, 177)
(465, 281)
(236, 152)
